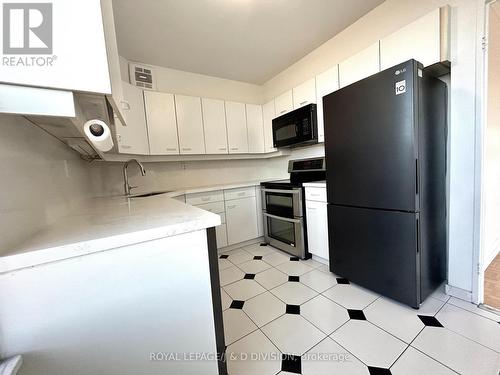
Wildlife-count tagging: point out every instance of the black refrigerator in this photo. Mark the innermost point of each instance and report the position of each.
(385, 148)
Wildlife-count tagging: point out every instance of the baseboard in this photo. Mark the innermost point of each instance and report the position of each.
(458, 293)
(320, 260)
(241, 244)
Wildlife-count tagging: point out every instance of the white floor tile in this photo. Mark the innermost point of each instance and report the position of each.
(244, 289)
(440, 294)
(398, 319)
(253, 354)
(317, 280)
(350, 296)
(238, 256)
(230, 275)
(292, 334)
(413, 362)
(324, 268)
(294, 268)
(313, 263)
(225, 299)
(324, 314)
(274, 258)
(256, 249)
(254, 266)
(457, 352)
(294, 293)
(329, 358)
(224, 263)
(271, 278)
(236, 325)
(264, 308)
(370, 344)
(475, 327)
(474, 309)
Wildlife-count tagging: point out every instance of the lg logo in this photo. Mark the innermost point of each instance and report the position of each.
(27, 28)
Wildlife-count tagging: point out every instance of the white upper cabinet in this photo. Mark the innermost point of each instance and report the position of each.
(304, 94)
(190, 124)
(359, 66)
(326, 83)
(268, 114)
(283, 103)
(162, 123)
(132, 138)
(237, 137)
(214, 122)
(255, 127)
(423, 40)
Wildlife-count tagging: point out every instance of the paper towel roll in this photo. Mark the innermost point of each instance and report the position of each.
(99, 135)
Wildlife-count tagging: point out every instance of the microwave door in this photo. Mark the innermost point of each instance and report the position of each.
(285, 134)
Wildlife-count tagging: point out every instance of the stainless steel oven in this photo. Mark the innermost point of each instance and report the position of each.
(283, 219)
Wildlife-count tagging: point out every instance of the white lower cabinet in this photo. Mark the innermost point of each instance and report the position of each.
(317, 227)
(221, 234)
(241, 220)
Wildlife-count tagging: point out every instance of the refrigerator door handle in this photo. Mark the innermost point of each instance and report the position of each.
(418, 236)
(416, 176)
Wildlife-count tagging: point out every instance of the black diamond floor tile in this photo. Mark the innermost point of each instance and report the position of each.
(295, 279)
(249, 276)
(356, 314)
(224, 256)
(430, 321)
(379, 371)
(236, 304)
(263, 244)
(294, 259)
(291, 363)
(293, 309)
(257, 257)
(341, 280)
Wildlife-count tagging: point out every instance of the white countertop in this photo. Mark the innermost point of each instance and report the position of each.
(106, 223)
(320, 184)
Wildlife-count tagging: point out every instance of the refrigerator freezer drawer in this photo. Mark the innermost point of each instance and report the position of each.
(376, 249)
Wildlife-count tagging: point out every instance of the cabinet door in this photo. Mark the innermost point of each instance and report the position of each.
(268, 114)
(241, 220)
(304, 94)
(214, 123)
(221, 235)
(317, 228)
(420, 40)
(255, 127)
(133, 136)
(361, 65)
(326, 83)
(190, 124)
(162, 124)
(237, 137)
(283, 103)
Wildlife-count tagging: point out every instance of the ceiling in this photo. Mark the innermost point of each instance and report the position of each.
(244, 40)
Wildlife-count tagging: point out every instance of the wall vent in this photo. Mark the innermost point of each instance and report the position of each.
(142, 76)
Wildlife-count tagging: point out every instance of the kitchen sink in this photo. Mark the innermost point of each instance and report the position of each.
(151, 194)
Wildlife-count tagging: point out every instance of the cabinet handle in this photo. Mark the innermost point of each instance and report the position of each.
(235, 148)
(171, 149)
(125, 105)
(311, 208)
(283, 111)
(314, 195)
(303, 103)
(206, 199)
(241, 194)
(231, 207)
(222, 148)
(186, 149)
(126, 146)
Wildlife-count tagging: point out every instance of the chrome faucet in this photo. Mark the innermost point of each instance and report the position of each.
(128, 188)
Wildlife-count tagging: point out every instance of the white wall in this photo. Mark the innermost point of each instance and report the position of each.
(41, 179)
(492, 153)
(382, 21)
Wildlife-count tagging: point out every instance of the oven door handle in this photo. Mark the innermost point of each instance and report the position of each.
(295, 191)
(282, 218)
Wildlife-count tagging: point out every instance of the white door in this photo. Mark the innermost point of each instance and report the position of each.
(241, 220)
(255, 128)
(237, 137)
(359, 66)
(283, 103)
(162, 123)
(304, 94)
(133, 136)
(190, 124)
(268, 114)
(317, 228)
(420, 40)
(326, 83)
(214, 123)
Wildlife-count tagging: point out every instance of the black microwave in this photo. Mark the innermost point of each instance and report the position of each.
(296, 128)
